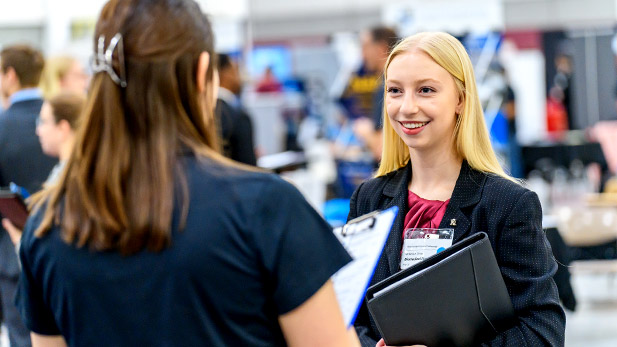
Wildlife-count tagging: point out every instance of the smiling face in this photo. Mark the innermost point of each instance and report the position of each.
(422, 102)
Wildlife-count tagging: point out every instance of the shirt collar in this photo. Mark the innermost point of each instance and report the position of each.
(227, 96)
(25, 95)
(467, 191)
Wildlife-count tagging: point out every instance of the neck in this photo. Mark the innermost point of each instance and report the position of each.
(66, 148)
(12, 90)
(434, 174)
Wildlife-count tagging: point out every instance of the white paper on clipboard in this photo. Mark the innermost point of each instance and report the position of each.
(364, 239)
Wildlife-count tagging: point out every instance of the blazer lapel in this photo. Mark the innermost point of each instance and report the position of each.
(467, 192)
(396, 189)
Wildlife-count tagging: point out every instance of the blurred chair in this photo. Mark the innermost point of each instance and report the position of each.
(588, 225)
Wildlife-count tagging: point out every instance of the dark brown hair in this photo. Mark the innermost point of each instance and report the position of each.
(123, 177)
(27, 62)
(224, 61)
(385, 35)
(67, 106)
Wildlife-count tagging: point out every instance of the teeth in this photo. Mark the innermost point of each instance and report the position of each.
(413, 125)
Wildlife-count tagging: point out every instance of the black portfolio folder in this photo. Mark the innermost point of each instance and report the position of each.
(454, 298)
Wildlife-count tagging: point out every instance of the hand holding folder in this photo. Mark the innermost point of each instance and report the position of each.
(364, 239)
(453, 298)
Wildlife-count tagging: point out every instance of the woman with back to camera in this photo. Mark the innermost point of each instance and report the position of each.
(439, 168)
(152, 238)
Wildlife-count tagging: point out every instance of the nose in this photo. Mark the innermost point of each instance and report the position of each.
(409, 105)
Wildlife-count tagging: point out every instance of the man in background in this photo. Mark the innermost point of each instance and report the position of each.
(563, 81)
(21, 161)
(235, 127)
(363, 97)
(4, 102)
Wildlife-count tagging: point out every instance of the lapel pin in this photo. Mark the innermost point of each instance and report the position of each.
(453, 222)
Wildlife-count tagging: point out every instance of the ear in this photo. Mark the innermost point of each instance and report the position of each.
(461, 104)
(202, 68)
(64, 125)
(11, 75)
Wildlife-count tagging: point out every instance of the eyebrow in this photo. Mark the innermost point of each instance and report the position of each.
(424, 80)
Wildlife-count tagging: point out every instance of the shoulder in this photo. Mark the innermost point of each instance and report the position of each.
(222, 104)
(21, 113)
(506, 195)
(26, 107)
(237, 180)
(376, 185)
(496, 185)
(224, 108)
(370, 194)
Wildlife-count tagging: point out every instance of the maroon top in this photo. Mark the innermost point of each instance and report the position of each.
(424, 213)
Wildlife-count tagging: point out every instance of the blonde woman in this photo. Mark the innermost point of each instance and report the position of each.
(439, 168)
(63, 73)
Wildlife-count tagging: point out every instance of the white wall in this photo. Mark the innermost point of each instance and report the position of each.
(453, 16)
(553, 14)
(526, 74)
(264, 9)
(53, 19)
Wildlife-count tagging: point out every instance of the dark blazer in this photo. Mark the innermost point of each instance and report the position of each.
(21, 161)
(511, 216)
(236, 131)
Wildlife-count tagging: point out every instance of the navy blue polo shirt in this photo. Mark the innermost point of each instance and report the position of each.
(252, 249)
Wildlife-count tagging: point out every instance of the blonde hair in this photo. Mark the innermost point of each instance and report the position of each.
(55, 70)
(471, 136)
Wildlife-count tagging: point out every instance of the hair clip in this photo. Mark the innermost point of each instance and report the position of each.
(102, 61)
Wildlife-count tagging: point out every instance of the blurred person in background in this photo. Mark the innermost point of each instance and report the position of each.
(56, 127)
(508, 108)
(439, 168)
(63, 73)
(21, 161)
(268, 83)
(236, 128)
(4, 101)
(363, 97)
(562, 86)
(56, 131)
(556, 113)
(151, 237)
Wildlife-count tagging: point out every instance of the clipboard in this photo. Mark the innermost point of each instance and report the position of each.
(454, 298)
(364, 239)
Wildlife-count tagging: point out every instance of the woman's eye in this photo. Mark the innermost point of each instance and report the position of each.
(394, 90)
(426, 90)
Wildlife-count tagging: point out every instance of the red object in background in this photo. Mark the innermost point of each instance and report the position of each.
(556, 116)
(524, 39)
(269, 83)
(269, 86)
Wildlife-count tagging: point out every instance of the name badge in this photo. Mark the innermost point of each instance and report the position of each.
(421, 243)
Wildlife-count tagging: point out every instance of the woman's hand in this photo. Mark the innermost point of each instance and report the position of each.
(14, 232)
(382, 343)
